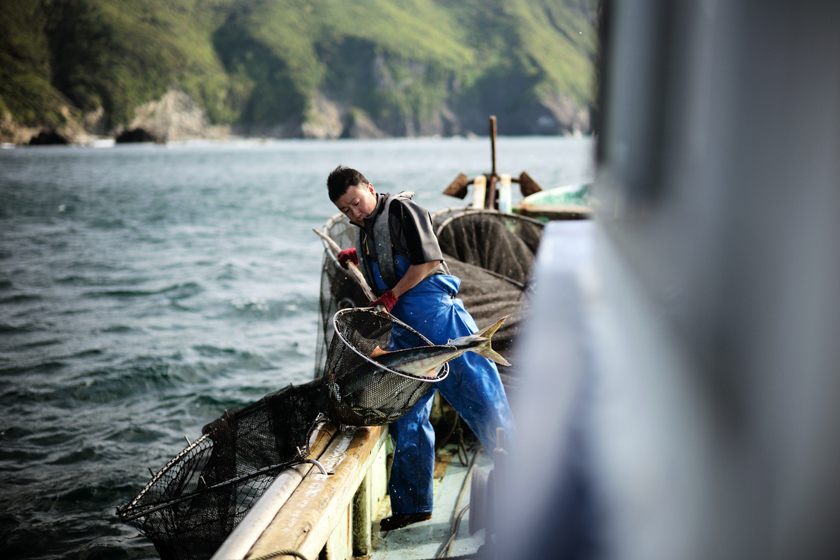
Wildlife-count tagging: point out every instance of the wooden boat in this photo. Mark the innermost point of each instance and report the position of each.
(335, 515)
(333, 512)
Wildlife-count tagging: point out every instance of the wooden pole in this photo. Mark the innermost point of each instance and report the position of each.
(354, 271)
(493, 143)
(490, 198)
(490, 201)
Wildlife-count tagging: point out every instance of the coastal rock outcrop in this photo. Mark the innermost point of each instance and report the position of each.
(323, 118)
(135, 135)
(173, 117)
(48, 137)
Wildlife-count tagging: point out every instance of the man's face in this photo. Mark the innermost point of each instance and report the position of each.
(357, 203)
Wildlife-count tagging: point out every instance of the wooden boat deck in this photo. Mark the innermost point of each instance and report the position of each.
(424, 540)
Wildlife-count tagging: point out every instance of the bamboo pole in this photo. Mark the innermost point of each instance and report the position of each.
(352, 268)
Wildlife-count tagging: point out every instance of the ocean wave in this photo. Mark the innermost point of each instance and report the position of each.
(77, 456)
(118, 329)
(277, 309)
(45, 367)
(88, 280)
(20, 298)
(19, 455)
(183, 291)
(11, 329)
(214, 402)
(89, 385)
(107, 223)
(41, 343)
(213, 351)
(134, 433)
(173, 292)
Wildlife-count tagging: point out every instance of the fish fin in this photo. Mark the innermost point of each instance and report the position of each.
(478, 335)
(378, 352)
(484, 349)
(491, 330)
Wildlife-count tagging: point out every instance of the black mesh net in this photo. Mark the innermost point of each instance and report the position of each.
(193, 503)
(338, 289)
(363, 392)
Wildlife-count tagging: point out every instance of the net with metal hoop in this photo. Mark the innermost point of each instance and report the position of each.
(362, 391)
(193, 503)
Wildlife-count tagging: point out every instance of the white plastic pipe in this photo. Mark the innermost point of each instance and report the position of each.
(479, 192)
(505, 202)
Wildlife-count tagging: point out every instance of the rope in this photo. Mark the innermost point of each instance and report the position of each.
(456, 526)
(284, 552)
(445, 439)
(467, 556)
(463, 454)
(456, 521)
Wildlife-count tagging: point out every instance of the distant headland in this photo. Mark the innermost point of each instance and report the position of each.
(82, 70)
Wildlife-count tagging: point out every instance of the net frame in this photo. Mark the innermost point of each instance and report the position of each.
(194, 453)
(440, 375)
(362, 391)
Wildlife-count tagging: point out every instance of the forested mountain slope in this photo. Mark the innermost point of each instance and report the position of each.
(296, 68)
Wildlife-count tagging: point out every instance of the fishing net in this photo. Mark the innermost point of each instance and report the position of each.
(362, 391)
(493, 254)
(190, 507)
(193, 503)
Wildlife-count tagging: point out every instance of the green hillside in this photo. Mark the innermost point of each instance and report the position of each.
(302, 68)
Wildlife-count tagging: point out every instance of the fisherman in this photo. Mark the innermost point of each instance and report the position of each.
(398, 253)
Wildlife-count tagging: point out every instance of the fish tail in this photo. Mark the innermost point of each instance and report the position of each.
(491, 330)
(484, 348)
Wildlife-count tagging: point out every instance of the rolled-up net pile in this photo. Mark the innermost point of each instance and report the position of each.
(493, 255)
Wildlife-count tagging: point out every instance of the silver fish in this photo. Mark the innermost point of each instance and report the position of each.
(425, 361)
(363, 387)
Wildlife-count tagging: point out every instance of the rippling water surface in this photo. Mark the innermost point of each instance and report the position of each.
(145, 289)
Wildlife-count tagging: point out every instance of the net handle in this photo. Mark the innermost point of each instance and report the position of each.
(333, 247)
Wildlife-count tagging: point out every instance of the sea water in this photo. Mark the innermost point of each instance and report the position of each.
(145, 289)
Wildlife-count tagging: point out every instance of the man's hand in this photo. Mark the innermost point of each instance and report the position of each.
(387, 300)
(348, 255)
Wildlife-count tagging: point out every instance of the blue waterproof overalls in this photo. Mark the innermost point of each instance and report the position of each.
(473, 388)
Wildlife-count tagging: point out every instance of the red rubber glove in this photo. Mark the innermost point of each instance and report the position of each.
(348, 255)
(387, 300)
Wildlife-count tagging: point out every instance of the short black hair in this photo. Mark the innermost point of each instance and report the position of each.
(342, 178)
